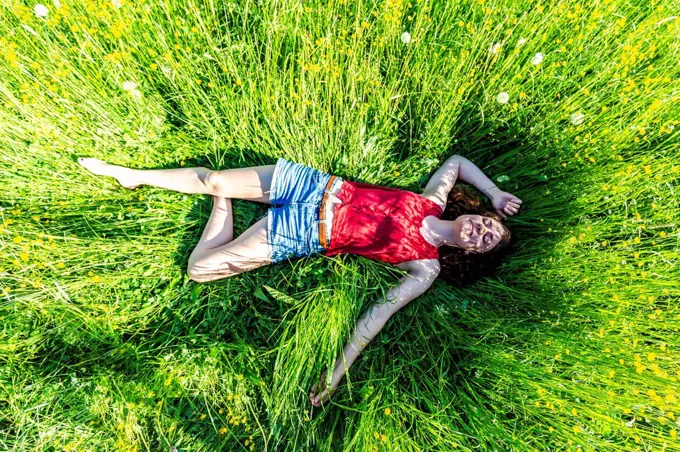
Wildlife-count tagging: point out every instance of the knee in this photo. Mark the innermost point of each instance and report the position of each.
(213, 181)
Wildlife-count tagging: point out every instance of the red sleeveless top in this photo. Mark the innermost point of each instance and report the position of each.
(381, 223)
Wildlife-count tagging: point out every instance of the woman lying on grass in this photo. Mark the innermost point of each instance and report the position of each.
(442, 233)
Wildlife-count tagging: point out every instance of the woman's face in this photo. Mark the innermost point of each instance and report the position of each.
(477, 233)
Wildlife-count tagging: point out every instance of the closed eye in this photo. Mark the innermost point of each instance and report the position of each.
(488, 238)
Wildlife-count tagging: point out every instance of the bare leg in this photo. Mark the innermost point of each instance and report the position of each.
(251, 183)
(246, 252)
(219, 230)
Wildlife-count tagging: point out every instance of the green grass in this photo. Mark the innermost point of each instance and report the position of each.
(105, 344)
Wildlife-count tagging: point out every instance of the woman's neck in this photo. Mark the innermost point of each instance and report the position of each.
(438, 232)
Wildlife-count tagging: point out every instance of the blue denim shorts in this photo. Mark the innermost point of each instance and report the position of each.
(293, 220)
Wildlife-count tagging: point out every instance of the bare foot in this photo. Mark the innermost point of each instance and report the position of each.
(101, 168)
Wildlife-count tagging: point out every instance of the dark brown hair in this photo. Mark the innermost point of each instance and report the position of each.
(458, 268)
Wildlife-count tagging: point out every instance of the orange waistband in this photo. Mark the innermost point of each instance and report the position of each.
(322, 213)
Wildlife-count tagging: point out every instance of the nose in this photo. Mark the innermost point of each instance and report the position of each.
(481, 229)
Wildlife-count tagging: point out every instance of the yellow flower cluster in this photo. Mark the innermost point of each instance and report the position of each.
(380, 436)
(394, 9)
(116, 57)
(8, 53)
(117, 28)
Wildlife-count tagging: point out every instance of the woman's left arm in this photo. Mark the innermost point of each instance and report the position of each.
(457, 167)
(504, 203)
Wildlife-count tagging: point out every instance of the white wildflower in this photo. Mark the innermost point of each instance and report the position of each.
(503, 98)
(117, 3)
(406, 37)
(129, 86)
(57, 3)
(577, 119)
(495, 48)
(521, 41)
(536, 60)
(41, 10)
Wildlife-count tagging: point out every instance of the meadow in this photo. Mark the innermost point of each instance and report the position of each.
(106, 344)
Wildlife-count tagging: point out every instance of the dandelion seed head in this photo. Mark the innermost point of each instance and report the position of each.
(536, 60)
(503, 98)
(577, 119)
(129, 85)
(41, 10)
(406, 37)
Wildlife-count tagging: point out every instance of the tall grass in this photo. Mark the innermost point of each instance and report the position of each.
(106, 344)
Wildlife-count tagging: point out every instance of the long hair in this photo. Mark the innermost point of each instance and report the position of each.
(458, 268)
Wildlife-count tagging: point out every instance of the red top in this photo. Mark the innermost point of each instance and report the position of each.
(381, 223)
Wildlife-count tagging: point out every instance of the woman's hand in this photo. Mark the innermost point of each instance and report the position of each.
(317, 397)
(505, 203)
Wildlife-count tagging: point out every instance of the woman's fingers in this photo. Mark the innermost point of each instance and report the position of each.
(318, 400)
(512, 208)
(313, 396)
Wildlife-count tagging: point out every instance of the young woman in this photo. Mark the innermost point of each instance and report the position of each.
(428, 235)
